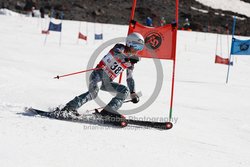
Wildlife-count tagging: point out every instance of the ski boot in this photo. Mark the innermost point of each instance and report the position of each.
(70, 110)
(65, 113)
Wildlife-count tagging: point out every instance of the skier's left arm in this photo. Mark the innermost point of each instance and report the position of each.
(131, 84)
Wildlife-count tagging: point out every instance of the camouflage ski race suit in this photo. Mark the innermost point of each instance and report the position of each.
(109, 68)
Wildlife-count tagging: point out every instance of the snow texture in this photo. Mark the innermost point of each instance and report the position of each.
(236, 6)
(211, 118)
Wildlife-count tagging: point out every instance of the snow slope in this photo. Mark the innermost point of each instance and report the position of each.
(8, 12)
(211, 118)
(236, 6)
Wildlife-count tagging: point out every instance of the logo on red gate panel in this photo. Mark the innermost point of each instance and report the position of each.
(153, 40)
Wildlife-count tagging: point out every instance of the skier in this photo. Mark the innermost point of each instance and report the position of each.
(119, 58)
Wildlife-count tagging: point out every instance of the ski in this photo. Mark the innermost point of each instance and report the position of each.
(94, 119)
(151, 124)
(84, 118)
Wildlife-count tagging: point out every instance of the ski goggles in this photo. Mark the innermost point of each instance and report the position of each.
(137, 46)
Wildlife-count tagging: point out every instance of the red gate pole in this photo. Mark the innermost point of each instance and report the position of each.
(174, 50)
(131, 18)
(133, 11)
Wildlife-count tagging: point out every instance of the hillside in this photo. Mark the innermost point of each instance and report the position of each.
(203, 18)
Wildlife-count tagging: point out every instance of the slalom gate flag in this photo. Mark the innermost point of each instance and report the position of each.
(240, 47)
(55, 27)
(160, 42)
(81, 36)
(45, 31)
(98, 36)
(221, 60)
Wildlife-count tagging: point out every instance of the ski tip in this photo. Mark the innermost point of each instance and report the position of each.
(57, 77)
(30, 111)
(27, 109)
(164, 126)
(169, 125)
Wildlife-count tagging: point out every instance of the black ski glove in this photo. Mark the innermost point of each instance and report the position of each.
(134, 97)
(132, 59)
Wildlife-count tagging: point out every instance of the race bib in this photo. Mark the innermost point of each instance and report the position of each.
(112, 66)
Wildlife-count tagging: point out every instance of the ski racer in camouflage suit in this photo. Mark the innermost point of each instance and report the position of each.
(119, 58)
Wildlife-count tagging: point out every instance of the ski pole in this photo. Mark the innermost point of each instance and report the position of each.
(74, 73)
(103, 107)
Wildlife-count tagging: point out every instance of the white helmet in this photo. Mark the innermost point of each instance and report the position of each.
(135, 40)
